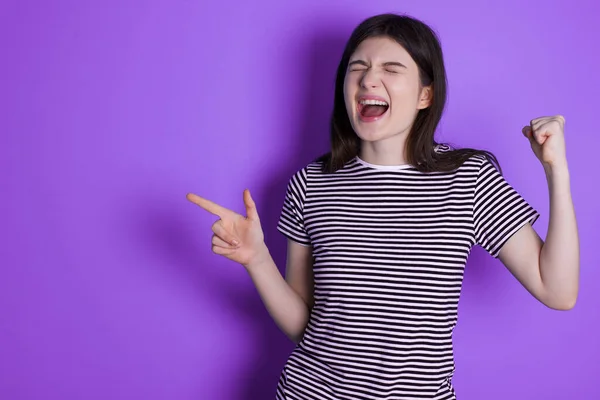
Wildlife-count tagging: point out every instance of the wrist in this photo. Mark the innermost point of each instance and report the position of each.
(556, 170)
(261, 257)
(558, 178)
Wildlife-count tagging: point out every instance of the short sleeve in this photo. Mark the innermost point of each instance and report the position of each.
(291, 220)
(499, 211)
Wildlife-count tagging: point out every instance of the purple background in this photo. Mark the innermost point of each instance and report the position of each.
(113, 110)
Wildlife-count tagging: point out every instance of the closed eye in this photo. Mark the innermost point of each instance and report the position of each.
(393, 67)
(358, 65)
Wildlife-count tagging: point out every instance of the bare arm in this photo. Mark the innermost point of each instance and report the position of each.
(288, 300)
(550, 270)
(241, 240)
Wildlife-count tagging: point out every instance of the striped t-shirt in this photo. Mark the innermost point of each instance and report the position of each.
(390, 245)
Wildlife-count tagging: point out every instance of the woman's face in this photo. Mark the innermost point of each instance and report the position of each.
(382, 90)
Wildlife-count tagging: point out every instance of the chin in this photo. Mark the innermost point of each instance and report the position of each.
(377, 131)
(370, 132)
(371, 136)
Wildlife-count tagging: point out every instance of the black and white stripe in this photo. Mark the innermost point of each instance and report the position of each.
(390, 246)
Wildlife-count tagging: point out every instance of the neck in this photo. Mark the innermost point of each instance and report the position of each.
(388, 151)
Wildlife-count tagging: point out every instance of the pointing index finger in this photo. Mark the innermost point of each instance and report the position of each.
(208, 205)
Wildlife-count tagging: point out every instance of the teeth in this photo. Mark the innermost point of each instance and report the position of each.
(373, 103)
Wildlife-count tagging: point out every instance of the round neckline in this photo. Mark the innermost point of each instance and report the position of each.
(382, 167)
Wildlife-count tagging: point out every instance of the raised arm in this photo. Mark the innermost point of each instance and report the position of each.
(549, 270)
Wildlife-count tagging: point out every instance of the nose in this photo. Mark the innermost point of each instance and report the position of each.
(370, 79)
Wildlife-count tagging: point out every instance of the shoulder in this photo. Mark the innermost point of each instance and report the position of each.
(300, 178)
(443, 148)
(469, 157)
(468, 161)
(318, 169)
(307, 171)
(478, 160)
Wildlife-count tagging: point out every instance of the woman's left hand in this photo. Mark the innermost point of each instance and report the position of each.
(547, 138)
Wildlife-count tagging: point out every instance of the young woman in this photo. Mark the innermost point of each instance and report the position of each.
(379, 229)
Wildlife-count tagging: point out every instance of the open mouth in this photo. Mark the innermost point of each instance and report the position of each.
(372, 110)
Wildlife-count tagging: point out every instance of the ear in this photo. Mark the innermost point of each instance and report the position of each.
(425, 97)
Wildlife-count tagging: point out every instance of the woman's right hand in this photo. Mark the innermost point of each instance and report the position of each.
(236, 237)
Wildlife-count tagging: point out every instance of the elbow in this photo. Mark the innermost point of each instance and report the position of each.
(296, 338)
(296, 335)
(562, 307)
(562, 298)
(563, 304)
(566, 306)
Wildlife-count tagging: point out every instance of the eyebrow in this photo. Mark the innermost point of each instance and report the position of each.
(385, 64)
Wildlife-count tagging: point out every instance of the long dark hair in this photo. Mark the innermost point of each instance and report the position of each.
(423, 45)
